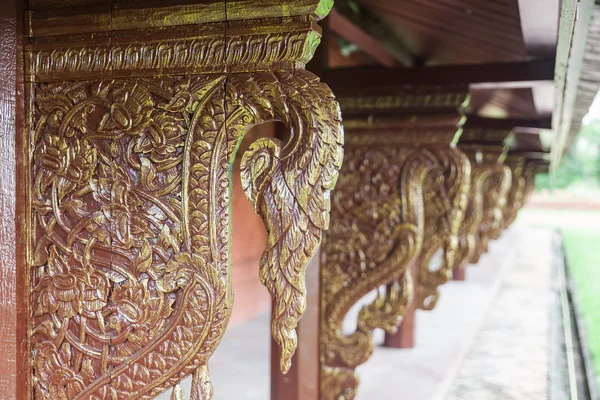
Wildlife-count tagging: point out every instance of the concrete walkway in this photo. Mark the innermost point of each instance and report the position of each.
(509, 357)
(486, 339)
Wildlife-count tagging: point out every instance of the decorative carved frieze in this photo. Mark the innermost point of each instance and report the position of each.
(129, 203)
(401, 180)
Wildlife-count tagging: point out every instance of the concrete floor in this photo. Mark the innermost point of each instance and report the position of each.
(486, 338)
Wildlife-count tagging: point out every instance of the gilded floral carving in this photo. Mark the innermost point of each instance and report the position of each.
(129, 269)
(446, 200)
(516, 195)
(377, 230)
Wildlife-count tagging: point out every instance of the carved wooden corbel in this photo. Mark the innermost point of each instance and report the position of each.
(132, 137)
(535, 163)
(516, 195)
(490, 185)
(401, 174)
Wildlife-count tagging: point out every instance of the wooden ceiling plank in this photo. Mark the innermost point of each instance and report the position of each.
(423, 22)
(507, 123)
(478, 23)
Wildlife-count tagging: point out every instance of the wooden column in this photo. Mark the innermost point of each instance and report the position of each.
(302, 380)
(401, 177)
(135, 114)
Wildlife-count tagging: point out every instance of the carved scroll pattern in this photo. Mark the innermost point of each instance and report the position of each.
(376, 231)
(469, 229)
(516, 195)
(494, 190)
(130, 270)
(445, 205)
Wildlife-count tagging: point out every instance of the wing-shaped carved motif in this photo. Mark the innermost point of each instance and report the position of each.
(446, 198)
(516, 196)
(495, 188)
(130, 270)
(376, 231)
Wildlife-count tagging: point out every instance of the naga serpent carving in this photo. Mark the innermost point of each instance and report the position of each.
(377, 229)
(516, 196)
(445, 205)
(130, 222)
(495, 188)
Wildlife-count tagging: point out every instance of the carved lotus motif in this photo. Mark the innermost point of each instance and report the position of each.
(68, 289)
(74, 161)
(51, 366)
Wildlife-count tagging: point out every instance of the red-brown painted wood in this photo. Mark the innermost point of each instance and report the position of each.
(459, 274)
(12, 379)
(302, 381)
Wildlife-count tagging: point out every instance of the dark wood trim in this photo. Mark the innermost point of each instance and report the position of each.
(476, 122)
(351, 81)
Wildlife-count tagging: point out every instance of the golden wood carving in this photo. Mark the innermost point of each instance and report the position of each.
(490, 187)
(487, 199)
(378, 222)
(130, 271)
(446, 200)
(516, 195)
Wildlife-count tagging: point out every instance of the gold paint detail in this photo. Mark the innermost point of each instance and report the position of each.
(446, 199)
(130, 240)
(429, 98)
(377, 230)
(185, 53)
(487, 200)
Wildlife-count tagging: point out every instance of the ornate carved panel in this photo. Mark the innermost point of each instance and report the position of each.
(130, 177)
(400, 175)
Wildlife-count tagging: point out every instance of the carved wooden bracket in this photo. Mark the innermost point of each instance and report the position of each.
(490, 185)
(535, 163)
(516, 195)
(132, 137)
(401, 180)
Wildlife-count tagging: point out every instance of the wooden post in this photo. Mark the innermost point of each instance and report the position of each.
(302, 381)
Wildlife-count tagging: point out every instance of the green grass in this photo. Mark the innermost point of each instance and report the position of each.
(581, 232)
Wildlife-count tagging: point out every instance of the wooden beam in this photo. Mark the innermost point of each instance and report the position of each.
(378, 30)
(352, 33)
(378, 79)
(302, 381)
(539, 24)
(507, 123)
(574, 23)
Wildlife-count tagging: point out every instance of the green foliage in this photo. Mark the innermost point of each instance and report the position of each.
(580, 165)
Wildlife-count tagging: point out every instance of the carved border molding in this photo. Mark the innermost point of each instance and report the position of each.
(188, 50)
